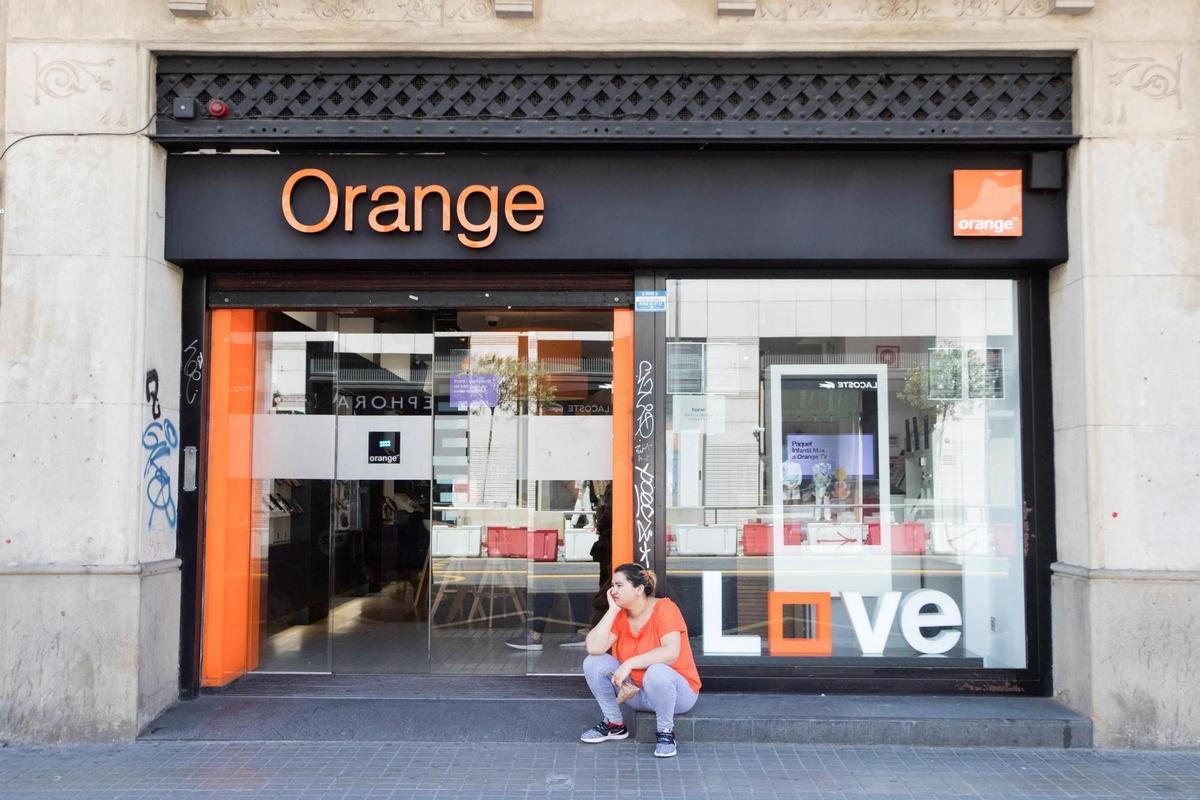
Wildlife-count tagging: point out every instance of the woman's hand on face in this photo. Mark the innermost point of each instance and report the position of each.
(621, 674)
(612, 600)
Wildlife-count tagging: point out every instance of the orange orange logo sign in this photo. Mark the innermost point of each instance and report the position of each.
(987, 202)
(393, 215)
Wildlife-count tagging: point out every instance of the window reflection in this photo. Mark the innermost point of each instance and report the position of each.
(843, 456)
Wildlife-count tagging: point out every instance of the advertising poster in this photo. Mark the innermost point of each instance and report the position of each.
(854, 453)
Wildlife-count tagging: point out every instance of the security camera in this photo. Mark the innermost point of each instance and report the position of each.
(492, 320)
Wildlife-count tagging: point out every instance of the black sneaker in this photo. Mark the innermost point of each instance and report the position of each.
(664, 746)
(604, 731)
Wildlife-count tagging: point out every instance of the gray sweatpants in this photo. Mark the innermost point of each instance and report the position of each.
(664, 691)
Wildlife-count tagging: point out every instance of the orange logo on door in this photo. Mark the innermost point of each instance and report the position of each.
(987, 202)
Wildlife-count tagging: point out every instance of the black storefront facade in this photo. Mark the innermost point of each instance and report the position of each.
(833, 409)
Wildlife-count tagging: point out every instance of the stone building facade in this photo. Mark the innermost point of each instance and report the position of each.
(89, 305)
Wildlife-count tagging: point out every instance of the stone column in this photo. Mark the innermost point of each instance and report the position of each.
(1126, 348)
(89, 584)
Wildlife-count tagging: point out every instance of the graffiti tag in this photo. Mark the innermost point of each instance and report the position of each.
(643, 489)
(152, 393)
(159, 440)
(644, 403)
(643, 484)
(193, 371)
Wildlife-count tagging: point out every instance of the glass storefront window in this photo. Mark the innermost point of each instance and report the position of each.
(421, 490)
(844, 471)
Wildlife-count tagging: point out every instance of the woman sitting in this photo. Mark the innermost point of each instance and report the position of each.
(650, 657)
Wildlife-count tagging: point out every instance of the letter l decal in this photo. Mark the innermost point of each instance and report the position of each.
(715, 642)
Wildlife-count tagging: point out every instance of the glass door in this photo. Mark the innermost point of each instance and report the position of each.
(291, 435)
(383, 407)
(522, 462)
(432, 489)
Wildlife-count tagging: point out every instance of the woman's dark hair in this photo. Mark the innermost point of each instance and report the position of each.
(639, 576)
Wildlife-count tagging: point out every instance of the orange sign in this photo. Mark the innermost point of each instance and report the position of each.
(390, 210)
(987, 202)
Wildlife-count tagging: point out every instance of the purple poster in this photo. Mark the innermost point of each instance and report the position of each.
(468, 390)
(853, 453)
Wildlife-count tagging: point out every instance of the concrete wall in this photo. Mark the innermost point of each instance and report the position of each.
(1126, 329)
(89, 588)
(87, 306)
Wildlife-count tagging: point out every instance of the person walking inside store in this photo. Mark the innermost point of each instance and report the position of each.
(639, 654)
(601, 553)
(561, 495)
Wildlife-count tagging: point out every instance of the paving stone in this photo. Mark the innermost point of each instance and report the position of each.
(271, 770)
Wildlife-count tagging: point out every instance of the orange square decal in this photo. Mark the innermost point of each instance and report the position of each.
(819, 644)
(987, 202)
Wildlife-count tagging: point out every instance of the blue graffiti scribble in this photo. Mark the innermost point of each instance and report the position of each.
(159, 439)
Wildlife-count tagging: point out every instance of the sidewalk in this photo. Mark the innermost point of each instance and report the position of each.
(536, 771)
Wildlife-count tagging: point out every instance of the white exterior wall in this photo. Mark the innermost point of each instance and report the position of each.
(89, 592)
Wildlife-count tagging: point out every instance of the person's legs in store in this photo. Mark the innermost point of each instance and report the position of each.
(599, 600)
(542, 606)
(531, 637)
(580, 613)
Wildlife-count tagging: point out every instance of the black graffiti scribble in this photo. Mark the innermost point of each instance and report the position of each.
(159, 439)
(152, 393)
(193, 371)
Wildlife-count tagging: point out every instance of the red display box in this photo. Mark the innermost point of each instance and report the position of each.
(908, 538)
(507, 542)
(757, 537)
(538, 545)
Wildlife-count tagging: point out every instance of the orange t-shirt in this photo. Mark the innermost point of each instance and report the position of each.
(664, 618)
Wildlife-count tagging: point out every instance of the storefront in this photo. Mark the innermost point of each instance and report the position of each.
(805, 371)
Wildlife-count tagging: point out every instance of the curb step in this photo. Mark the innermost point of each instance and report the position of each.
(1054, 734)
(921, 721)
(536, 711)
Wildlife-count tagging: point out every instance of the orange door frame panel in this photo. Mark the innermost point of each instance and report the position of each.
(228, 636)
(622, 450)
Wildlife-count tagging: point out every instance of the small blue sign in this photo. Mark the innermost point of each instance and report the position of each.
(651, 301)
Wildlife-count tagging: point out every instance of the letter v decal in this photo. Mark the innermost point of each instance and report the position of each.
(872, 635)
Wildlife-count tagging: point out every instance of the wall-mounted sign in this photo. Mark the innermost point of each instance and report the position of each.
(601, 207)
(523, 207)
(383, 447)
(651, 301)
(987, 202)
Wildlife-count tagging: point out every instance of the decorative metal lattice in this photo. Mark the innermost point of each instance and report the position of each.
(389, 99)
